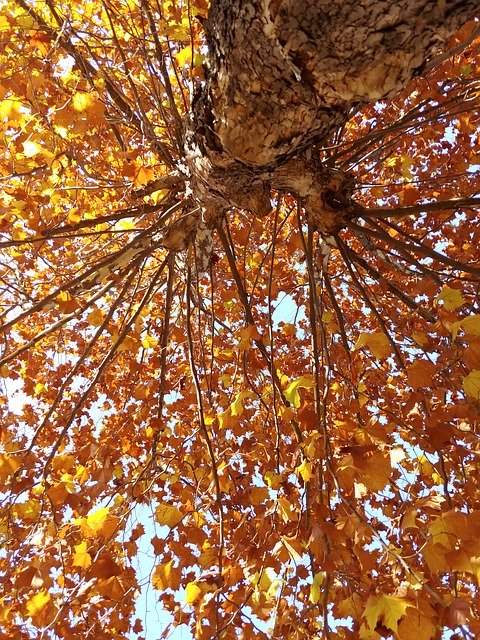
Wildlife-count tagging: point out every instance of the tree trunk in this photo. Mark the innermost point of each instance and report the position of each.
(281, 75)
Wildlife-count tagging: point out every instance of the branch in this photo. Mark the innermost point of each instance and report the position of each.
(444, 205)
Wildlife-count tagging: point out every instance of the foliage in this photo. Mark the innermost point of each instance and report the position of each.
(301, 421)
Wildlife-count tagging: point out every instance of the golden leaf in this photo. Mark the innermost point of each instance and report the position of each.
(81, 557)
(38, 602)
(316, 587)
(388, 610)
(166, 576)
(192, 592)
(451, 298)
(471, 384)
(168, 515)
(291, 392)
(377, 342)
(246, 335)
(304, 470)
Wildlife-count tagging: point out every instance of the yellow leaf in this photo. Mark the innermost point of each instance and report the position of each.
(165, 577)
(263, 579)
(237, 406)
(226, 380)
(225, 419)
(192, 592)
(184, 56)
(448, 528)
(143, 176)
(83, 101)
(471, 325)
(377, 342)
(387, 610)
(28, 510)
(96, 519)
(289, 329)
(74, 216)
(102, 522)
(316, 587)
(148, 342)
(8, 466)
(38, 602)
(291, 392)
(286, 510)
(451, 298)
(274, 480)
(471, 384)
(81, 557)
(304, 470)
(168, 514)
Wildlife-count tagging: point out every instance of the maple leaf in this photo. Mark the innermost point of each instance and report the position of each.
(38, 602)
(168, 514)
(192, 593)
(451, 298)
(386, 610)
(82, 558)
(416, 625)
(377, 343)
(420, 373)
(304, 470)
(471, 384)
(246, 335)
(316, 587)
(291, 392)
(166, 576)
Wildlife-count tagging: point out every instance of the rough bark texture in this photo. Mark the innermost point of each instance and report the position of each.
(281, 75)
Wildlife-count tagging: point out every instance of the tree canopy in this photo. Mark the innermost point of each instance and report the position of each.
(243, 333)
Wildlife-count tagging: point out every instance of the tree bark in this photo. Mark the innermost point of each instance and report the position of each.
(281, 75)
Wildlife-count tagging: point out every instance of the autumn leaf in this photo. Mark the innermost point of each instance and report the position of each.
(96, 317)
(166, 576)
(377, 342)
(236, 408)
(184, 56)
(168, 515)
(416, 625)
(8, 466)
(192, 593)
(471, 325)
(83, 101)
(38, 605)
(316, 587)
(291, 392)
(451, 298)
(386, 610)
(471, 384)
(81, 558)
(274, 480)
(304, 470)
(102, 522)
(246, 335)
(420, 373)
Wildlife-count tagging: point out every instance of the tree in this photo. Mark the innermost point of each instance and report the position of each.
(239, 289)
